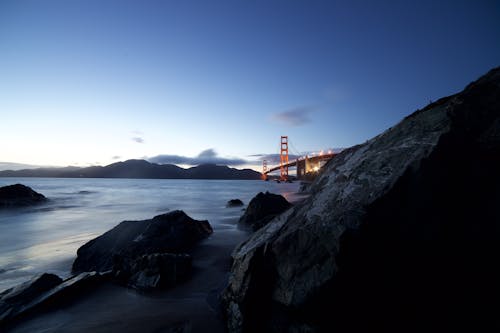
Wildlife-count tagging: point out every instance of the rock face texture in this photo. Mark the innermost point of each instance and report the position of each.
(19, 195)
(153, 271)
(15, 300)
(262, 209)
(401, 233)
(174, 232)
(43, 291)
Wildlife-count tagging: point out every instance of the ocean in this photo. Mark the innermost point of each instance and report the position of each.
(44, 238)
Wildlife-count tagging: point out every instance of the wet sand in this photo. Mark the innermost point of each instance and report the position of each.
(188, 307)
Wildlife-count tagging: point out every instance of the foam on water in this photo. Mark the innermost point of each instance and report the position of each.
(45, 238)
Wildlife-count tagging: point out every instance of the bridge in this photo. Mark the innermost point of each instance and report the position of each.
(306, 165)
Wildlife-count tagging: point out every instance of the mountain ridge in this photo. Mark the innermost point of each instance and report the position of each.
(137, 169)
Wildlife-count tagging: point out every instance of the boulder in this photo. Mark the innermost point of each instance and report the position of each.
(15, 300)
(262, 209)
(19, 195)
(152, 271)
(400, 233)
(234, 203)
(173, 232)
(42, 291)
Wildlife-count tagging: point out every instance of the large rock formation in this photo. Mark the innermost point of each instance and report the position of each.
(19, 195)
(401, 233)
(174, 232)
(262, 209)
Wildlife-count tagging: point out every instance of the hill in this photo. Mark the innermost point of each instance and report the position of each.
(138, 169)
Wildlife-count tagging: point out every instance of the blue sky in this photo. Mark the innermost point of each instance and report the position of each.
(95, 82)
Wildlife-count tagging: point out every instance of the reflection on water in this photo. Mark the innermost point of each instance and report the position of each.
(45, 238)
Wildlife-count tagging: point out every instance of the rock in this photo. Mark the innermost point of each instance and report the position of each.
(15, 300)
(262, 209)
(173, 232)
(19, 195)
(400, 233)
(153, 271)
(234, 203)
(42, 291)
(75, 286)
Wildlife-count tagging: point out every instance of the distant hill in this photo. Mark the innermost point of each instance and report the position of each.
(138, 169)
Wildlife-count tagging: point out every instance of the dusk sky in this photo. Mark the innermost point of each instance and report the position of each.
(95, 82)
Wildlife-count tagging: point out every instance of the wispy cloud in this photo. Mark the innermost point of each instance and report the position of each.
(274, 159)
(116, 157)
(138, 139)
(294, 117)
(208, 156)
(16, 166)
(271, 159)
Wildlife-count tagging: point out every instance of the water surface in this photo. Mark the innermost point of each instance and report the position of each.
(45, 238)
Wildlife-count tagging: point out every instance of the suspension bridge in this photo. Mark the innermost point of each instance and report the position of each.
(306, 165)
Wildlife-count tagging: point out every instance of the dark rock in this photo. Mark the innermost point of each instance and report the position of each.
(43, 291)
(75, 286)
(153, 271)
(400, 233)
(173, 232)
(19, 195)
(262, 209)
(234, 203)
(17, 299)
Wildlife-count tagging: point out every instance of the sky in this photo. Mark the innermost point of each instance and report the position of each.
(95, 82)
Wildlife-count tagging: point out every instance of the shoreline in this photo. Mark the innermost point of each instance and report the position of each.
(192, 305)
(109, 307)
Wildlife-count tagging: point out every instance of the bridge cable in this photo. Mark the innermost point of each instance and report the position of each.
(294, 150)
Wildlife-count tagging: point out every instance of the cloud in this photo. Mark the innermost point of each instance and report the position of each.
(294, 117)
(16, 166)
(272, 159)
(138, 139)
(116, 157)
(208, 156)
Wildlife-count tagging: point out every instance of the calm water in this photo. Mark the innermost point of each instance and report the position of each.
(45, 238)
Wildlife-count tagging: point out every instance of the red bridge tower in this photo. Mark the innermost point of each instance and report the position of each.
(284, 158)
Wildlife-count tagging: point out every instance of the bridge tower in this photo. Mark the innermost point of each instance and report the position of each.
(284, 158)
(264, 169)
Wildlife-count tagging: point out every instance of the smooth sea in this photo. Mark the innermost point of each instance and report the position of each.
(44, 238)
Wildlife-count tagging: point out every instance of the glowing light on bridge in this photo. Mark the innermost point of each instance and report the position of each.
(305, 164)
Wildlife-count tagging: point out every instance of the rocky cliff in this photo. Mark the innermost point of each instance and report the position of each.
(400, 233)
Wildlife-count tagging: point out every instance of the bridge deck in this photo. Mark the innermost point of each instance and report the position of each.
(311, 159)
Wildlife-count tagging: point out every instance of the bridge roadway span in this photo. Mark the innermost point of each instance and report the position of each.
(304, 165)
